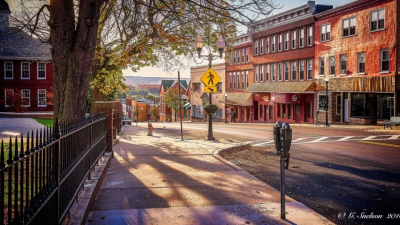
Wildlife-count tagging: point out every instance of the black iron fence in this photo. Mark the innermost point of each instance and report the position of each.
(41, 173)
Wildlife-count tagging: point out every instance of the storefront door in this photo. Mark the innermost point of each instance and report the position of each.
(391, 106)
(298, 114)
(308, 111)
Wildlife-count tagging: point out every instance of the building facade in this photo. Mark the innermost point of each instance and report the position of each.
(356, 58)
(166, 113)
(25, 69)
(198, 98)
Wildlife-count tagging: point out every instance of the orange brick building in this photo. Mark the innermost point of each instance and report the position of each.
(357, 52)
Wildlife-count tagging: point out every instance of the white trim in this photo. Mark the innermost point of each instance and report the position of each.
(321, 59)
(355, 27)
(358, 63)
(12, 70)
(45, 74)
(304, 67)
(332, 74)
(377, 22)
(45, 98)
(310, 36)
(5, 96)
(288, 71)
(326, 31)
(318, 109)
(280, 69)
(22, 97)
(29, 71)
(380, 61)
(312, 62)
(301, 29)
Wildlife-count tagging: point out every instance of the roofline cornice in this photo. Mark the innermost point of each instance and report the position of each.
(340, 10)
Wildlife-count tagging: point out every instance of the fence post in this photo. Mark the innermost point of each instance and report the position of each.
(57, 164)
(91, 145)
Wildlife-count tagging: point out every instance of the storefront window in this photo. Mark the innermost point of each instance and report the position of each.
(279, 111)
(289, 111)
(284, 111)
(322, 102)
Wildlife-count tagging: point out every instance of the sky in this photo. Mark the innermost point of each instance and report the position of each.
(285, 4)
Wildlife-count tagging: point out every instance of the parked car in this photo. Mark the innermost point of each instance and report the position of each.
(127, 121)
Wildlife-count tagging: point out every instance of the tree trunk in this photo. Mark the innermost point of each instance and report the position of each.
(175, 116)
(72, 52)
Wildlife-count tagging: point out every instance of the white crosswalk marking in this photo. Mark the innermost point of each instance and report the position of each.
(298, 139)
(345, 138)
(320, 139)
(369, 138)
(261, 144)
(394, 137)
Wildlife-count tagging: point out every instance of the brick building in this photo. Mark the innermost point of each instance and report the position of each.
(356, 49)
(166, 113)
(25, 68)
(271, 69)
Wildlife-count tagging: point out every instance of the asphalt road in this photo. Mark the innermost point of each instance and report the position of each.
(336, 179)
(15, 126)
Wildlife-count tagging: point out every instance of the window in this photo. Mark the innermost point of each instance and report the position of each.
(25, 70)
(321, 66)
(261, 73)
(247, 79)
(255, 73)
(256, 47)
(279, 42)
(377, 20)
(238, 81)
(301, 70)
(286, 40)
(8, 97)
(385, 60)
(309, 69)
(238, 55)
(301, 38)
(242, 79)
(234, 57)
(286, 70)
(234, 80)
(230, 58)
(332, 65)
(273, 44)
(273, 72)
(279, 110)
(230, 81)
(322, 103)
(310, 36)
(338, 105)
(26, 97)
(247, 54)
(343, 65)
(279, 71)
(349, 27)
(267, 72)
(242, 54)
(41, 70)
(42, 97)
(261, 46)
(293, 39)
(361, 62)
(293, 71)
(326, 32)
(8, 70)
(267, 45)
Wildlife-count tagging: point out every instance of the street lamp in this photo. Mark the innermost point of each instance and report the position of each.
(226, 111)
(327, 102)
(142, 115)
(199, 46)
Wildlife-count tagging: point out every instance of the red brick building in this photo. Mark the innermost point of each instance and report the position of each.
(25, 68)
(356, 49)
(166, 113)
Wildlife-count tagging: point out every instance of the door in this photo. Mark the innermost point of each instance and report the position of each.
(298, 114)
(308, 111)
(346, 110)
(266, 113)
(270, 112)
(391, 106)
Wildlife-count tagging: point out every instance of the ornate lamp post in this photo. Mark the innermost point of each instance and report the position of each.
(210, 57)
(327, 102)
(226, 111)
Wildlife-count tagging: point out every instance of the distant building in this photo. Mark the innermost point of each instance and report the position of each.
(166, 113)
(25, 68)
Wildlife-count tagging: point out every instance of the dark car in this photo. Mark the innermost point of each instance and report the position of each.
(127, 121)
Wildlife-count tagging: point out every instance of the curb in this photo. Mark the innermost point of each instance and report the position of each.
(216, 154)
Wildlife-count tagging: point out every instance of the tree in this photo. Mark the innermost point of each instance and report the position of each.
(104, 36)
(154, 112)
(172, 99)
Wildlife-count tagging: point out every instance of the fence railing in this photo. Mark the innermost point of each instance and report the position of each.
(41, 173)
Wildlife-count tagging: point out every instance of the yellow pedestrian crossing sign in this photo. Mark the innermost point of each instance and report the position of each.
(210, 89)
(210, 78)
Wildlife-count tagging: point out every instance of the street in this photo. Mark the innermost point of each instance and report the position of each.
(332, 171)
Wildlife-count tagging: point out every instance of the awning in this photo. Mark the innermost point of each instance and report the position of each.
(282, 87)
(241, 99)
(187, 105)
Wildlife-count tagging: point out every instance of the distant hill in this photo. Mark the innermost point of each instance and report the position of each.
(135, 81)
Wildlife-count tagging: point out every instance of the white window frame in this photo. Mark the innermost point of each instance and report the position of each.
(45, 99)
(22, 71)
(234, 80)
(266, 45)
(266, 72)
(286, 42)
(238, 55)
(273, 72)
(286, 69)
(45, 75)
(310, 76)
(377, 21)
(247, 54)
(355, 26)
(381, 60)
(310, 34)
(255, 73)
(230, 80)
(321, 60)
(243, 56)
(302, 62)
(23, 97)
(238, 81)
(273, 44)
(261, 73)
(5, 96)
(279, 71)
(247, 78)
(358, 63)
(261, 46)
(324, 35)
(242, 78)
(256, 47)
(293, 39)
(280, 43)
(293, 66)
(330, 65)
(301, 38)
(340, 65)
(5, 70)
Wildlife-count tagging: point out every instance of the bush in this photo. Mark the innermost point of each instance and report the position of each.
(210, 109)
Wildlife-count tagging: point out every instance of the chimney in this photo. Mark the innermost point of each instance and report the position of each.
(4, 13)
(312, 5)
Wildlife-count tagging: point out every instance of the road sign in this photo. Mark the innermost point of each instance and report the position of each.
(210, 78)
(211, 89)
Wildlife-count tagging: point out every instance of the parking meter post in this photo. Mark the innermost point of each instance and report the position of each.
(283, 210)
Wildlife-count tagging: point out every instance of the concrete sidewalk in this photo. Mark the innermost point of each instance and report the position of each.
(161, 180)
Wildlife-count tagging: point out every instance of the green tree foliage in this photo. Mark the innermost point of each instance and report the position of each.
(154, 112)
(172, 99)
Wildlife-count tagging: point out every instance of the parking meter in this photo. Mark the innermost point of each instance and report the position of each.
(277, 136)
(286, 138)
